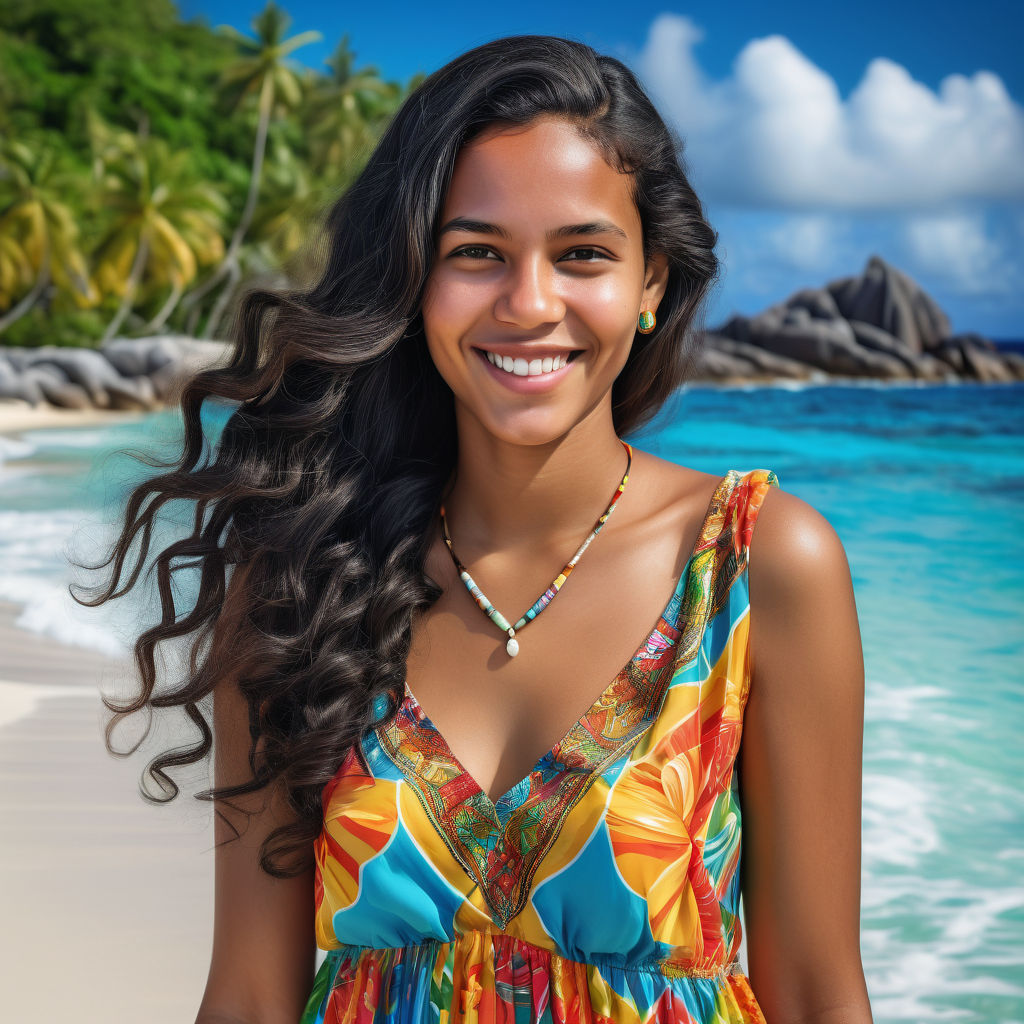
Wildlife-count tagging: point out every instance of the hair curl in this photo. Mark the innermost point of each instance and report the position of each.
(326, 481)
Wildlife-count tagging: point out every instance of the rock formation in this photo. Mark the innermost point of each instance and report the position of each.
(124, 373)
(878, 324)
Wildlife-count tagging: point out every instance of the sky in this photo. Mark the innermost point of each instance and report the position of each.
(816, 135)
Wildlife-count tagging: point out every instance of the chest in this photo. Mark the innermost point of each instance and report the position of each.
(499, 714)
(641, 782)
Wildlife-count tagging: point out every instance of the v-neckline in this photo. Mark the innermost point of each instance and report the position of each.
(470, 787)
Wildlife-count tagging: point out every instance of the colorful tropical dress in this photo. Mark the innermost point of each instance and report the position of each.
(604, 886)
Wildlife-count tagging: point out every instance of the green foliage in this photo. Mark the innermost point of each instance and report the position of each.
(132, 62)
(76, 328)
(84, 86)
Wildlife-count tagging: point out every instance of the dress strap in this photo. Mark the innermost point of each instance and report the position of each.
(745, 503)
(721, 554)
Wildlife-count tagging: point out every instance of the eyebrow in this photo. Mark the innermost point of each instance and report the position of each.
(480, 227)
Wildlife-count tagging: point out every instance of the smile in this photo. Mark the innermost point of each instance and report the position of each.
(521, 367)
(528, 376)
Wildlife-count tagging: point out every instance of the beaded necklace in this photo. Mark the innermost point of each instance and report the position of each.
(512, 645)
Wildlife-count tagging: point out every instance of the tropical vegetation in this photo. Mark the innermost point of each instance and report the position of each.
(152, 168)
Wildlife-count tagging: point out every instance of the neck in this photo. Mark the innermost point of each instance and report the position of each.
(531, 499)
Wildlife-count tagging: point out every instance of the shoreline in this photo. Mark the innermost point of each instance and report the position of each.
(17, 417)
(37, 659)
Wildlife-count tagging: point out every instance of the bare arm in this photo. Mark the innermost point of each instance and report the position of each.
(261, 970)
(800, 772)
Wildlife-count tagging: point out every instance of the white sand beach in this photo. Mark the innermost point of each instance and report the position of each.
(107, 900)
(17, 416)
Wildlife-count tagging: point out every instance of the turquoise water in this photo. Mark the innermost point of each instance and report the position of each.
(925, 487)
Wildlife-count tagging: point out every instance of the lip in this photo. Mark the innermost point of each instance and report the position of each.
(525, 385)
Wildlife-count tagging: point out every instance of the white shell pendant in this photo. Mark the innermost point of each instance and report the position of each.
(512, 647)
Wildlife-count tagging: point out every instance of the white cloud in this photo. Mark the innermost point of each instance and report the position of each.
(778, 133)
(805, 241)
(957, 249)
(768, 254)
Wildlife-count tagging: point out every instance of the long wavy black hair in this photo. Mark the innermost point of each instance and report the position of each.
(323, 491)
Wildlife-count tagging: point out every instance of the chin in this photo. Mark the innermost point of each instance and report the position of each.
(527, 429)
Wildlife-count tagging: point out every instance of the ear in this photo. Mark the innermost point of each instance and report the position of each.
(655, 281)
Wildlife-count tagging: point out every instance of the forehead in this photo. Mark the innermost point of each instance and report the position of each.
(545, 171)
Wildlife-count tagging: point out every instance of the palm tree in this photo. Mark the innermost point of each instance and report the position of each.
(38, 231)
(288, 202)
(107, 142)
(260, 72)
(164, 222)
(17, 276)
(347, 111)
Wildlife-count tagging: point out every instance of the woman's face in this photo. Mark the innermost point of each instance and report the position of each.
(539, 259)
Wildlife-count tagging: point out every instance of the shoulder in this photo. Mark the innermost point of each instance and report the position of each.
(794, 550)
(795, 544)
(804, 632)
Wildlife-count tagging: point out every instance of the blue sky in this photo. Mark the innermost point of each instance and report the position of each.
(816, 135)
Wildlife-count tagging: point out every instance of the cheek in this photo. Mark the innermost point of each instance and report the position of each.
(449, 303)
(445, 318)
(609, 310)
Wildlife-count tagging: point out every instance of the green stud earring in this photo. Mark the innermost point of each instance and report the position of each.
(646, 322)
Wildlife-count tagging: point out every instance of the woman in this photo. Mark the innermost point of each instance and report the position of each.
(423, 438)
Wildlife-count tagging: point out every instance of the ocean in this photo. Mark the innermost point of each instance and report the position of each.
(925, 487)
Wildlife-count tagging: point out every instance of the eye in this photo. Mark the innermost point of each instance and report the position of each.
(472, 251)
(593, 253)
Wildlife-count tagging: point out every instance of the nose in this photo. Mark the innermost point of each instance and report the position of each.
(529, 296)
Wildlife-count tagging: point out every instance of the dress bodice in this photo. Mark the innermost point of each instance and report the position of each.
(604, 885)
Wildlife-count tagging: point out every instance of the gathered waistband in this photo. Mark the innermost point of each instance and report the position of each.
(507, 946)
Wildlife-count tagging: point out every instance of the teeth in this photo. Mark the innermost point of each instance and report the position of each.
(521, 368)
